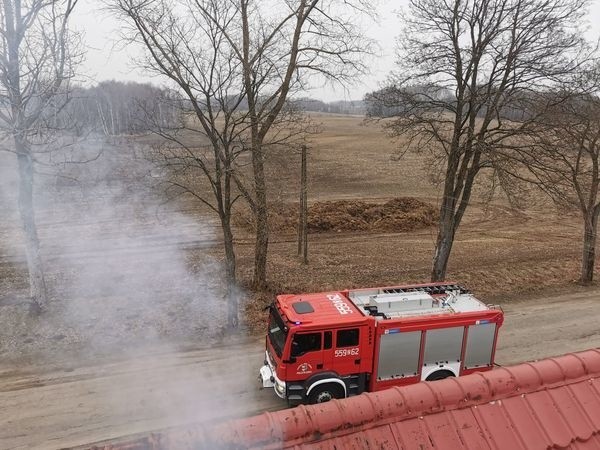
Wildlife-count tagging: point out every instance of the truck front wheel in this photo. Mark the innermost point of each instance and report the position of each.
(324, 393)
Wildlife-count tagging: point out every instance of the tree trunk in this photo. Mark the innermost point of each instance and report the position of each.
(37, 282)
(445, 240)
(443, 248)
(304, 206)
(456, 198)
(261, 247)
(589, 248)
(231, 291)
(262, 223)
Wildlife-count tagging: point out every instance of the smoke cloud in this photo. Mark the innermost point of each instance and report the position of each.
(131, 278)
(121, 264)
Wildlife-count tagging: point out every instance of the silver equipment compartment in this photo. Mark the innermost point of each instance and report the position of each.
(443, 345)
(480, 341)
(399, 355)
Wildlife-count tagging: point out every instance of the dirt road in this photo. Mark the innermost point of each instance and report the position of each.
(74, 406)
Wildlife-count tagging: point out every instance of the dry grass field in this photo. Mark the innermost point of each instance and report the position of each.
(500, 252)
(111, 243)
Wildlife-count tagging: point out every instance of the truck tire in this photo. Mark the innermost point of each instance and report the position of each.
(325, 392)
(439, 375)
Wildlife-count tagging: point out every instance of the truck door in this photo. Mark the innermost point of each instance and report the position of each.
(347, 355)
(307, 354)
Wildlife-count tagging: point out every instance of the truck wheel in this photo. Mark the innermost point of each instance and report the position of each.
(324, 393)
(439, 375)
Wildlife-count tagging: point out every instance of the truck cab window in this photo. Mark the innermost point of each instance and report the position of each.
(347, 338)
(304, 343)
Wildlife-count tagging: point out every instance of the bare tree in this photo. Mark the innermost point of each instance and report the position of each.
(263, 53)
(185, 47)
(562, 157)
(280, 45)
(470, 80)
(38, 54)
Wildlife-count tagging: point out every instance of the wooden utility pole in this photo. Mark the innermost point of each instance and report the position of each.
(303, 213)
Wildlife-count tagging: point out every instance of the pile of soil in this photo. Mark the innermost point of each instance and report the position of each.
(397, 215)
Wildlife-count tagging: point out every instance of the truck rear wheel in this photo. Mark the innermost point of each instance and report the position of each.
(439, 375)
(325, 392)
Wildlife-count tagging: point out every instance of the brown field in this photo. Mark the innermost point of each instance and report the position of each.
(500, 253)
(126, 343)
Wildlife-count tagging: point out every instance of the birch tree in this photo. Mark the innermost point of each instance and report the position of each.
(38, 55)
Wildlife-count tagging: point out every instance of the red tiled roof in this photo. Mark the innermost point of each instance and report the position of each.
(553, 403)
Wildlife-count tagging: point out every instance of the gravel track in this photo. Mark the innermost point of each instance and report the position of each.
(55, 407)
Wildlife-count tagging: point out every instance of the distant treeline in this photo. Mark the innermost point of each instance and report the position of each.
(350, 107)
(403, 101)
(114, 108)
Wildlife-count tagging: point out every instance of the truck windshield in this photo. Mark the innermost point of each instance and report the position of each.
(277, 331)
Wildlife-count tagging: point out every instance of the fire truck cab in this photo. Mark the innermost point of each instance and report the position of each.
(329, 345)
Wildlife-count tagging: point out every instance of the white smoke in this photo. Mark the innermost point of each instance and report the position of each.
(132, 280)
(122, 265)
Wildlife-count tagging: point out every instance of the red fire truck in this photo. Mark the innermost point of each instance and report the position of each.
(337, 344)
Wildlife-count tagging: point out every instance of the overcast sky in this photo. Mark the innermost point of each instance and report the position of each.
(106, 60)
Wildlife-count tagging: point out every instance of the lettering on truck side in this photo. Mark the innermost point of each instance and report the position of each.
(340, 304)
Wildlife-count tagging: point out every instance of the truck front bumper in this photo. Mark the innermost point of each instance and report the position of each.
(266, 375)
(269, 378)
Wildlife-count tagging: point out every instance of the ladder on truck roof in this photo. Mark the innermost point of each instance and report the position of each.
(429, 289)
(415, 300)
